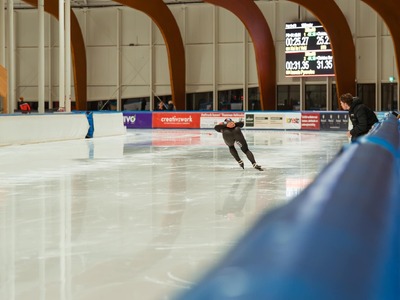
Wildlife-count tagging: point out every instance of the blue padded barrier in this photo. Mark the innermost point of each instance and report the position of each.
(338, 239)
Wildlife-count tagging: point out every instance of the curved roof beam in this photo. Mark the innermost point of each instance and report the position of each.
(254, 21)
(4, 88)
(343, 49)
(78, 53)
(158, 11)
(389, 11)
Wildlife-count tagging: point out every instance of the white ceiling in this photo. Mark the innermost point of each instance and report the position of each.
(19, 4)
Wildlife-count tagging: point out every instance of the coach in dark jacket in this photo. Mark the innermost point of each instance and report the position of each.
(361, 116)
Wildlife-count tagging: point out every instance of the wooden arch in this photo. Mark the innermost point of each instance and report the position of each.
(253, 19)
(343, 49)
(4, 88)
(78, 53)
(158, 11)
(389, 10)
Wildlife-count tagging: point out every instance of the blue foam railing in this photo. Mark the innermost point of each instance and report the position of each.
(338, 239)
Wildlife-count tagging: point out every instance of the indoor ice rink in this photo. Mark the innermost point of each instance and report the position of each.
(140, 216)
(115, 186)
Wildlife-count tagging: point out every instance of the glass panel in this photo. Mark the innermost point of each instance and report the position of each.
(230, 100)
(136, 103)
(315, 97)
(335, 105)
(389, 96)
(55, 106)
(102, 105)
(288, 97)
(366, 92)
(161, 102)
(254, 99)
(199, 101)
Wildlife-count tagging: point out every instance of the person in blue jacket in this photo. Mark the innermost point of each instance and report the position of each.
(232, 134)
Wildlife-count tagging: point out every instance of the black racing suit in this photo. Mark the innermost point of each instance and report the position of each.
(235, 135)
(362, 118)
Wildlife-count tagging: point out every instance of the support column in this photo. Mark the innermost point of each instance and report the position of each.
(378, 43)
(215, 57)
(329, 101)
(245, 99)
(50, 63)
(61, 57)
(41, 58)
(119, 60)
(11, 57)
(151, 64)
(67, 26)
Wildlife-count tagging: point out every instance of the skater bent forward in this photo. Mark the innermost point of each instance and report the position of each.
(232, 134)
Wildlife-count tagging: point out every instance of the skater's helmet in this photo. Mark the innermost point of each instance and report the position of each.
(228, 120)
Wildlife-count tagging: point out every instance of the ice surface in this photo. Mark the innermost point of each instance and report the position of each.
(140, 216)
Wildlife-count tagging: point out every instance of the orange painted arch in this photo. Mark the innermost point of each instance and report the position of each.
(158, 11)
(4, 88)
(254, 21)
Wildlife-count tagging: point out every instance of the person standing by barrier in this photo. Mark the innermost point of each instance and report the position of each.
(232, 134)
(161, 105)
(361, 116)
(24, 107)
(171, 105)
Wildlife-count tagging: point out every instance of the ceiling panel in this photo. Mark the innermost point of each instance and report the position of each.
(19, 4)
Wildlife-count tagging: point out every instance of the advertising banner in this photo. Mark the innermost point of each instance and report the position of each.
(176, 120)
(334, 121)
(265, 120)
(310, 121)
(137, 120)
(249, 120)
(261, 121)
(209, 120)
(292, 121)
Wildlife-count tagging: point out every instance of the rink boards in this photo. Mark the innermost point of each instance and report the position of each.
(305, 120)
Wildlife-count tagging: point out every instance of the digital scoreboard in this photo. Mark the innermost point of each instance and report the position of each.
(307, 50)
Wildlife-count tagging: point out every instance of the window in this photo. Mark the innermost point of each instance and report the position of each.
(389, 96)
(230, 100)
(199, 101)
(366, 92)
(102, 105)
(315, 97)
(288, 97)
(254, 99)
(136, 104)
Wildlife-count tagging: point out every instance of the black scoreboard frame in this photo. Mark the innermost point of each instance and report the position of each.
(308, 51)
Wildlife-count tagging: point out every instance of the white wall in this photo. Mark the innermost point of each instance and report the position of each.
(19, 129)
(28, 129)
(214, 43)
